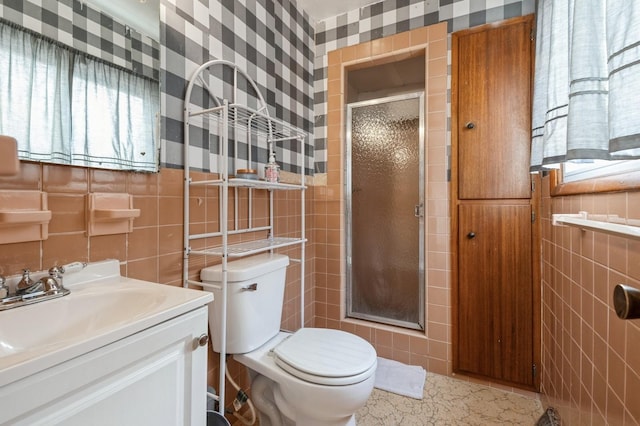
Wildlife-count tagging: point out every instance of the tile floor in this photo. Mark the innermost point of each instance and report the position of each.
(450, 401)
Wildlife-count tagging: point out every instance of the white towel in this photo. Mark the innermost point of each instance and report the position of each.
(396, 377)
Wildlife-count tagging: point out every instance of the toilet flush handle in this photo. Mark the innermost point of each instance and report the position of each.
(250, 287)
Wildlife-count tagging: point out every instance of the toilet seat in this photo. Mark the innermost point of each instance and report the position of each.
(326, 357)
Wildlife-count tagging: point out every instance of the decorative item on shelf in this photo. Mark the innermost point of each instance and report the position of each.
(272, 170)
(251, 174)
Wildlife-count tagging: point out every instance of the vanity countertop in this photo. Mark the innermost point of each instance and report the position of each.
(103, 307)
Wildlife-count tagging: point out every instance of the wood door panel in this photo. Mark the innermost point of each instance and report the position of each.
(494, 92)
(495, 291)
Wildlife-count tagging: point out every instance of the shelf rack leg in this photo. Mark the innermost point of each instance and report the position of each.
(223, 228)
(302, 252)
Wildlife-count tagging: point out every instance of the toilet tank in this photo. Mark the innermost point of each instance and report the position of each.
(255, 295)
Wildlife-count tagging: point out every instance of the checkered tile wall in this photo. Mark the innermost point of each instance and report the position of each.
(75, 24)
(387, 18)
(271, 41)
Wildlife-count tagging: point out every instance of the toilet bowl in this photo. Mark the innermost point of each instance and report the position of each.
(311, 380)
(311, 377)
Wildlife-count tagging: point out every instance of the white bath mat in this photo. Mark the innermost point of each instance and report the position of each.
(403, 379)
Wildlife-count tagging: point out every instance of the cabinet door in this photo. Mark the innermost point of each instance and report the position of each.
(156, 377)
(494, 124)
(495, 292)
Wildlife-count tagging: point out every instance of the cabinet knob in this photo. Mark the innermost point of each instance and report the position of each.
(470, 125)
(471, 235)
(202, 340)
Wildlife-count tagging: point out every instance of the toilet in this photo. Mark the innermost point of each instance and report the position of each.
(313, 376)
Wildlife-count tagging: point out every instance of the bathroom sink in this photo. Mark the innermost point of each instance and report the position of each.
(102, 307)
(74, 318)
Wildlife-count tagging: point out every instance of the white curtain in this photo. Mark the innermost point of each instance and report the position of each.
(586, 102)
(34, 95)
(117, 128)
(66, 107)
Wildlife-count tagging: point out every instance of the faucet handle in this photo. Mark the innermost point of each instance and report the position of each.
(27, 285)
(56, 271)
(26, 280)
(72, 267)
(54, 281)
(4, 290)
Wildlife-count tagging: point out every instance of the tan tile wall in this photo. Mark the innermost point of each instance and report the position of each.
(153, 251)
(591, 358)
(431, 348)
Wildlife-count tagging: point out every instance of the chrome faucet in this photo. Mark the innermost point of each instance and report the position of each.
(27, 285)
(53, 283)
(28, 291)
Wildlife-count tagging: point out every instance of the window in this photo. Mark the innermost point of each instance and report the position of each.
(595, 177)
(578, 170)
(67, 107)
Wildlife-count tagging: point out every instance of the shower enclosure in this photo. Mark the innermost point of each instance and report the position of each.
(385, 210)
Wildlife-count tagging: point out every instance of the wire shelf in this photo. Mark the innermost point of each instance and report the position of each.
(251, 247)
(246, 119)
(250, 183)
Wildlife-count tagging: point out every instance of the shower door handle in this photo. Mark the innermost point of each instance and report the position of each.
(418, 210)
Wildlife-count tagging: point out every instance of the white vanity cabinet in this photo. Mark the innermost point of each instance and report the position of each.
(155, 377)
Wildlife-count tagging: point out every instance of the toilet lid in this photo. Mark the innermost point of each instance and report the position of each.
(326, 356)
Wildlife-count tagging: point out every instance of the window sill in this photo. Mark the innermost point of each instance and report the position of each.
(614, 183)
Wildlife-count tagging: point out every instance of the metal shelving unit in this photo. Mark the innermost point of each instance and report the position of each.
(230, 121)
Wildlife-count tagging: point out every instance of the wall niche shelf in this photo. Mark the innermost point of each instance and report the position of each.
(110, 214)
(23, 216)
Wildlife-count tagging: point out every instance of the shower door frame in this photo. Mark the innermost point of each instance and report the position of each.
(419, 212)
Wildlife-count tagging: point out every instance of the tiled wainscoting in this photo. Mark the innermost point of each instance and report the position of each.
(590, 361)
(153, 251)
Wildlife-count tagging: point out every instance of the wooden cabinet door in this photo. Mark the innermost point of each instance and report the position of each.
(495, 292)
(494, 111)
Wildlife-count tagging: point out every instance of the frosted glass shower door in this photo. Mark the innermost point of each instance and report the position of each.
(384, 209)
